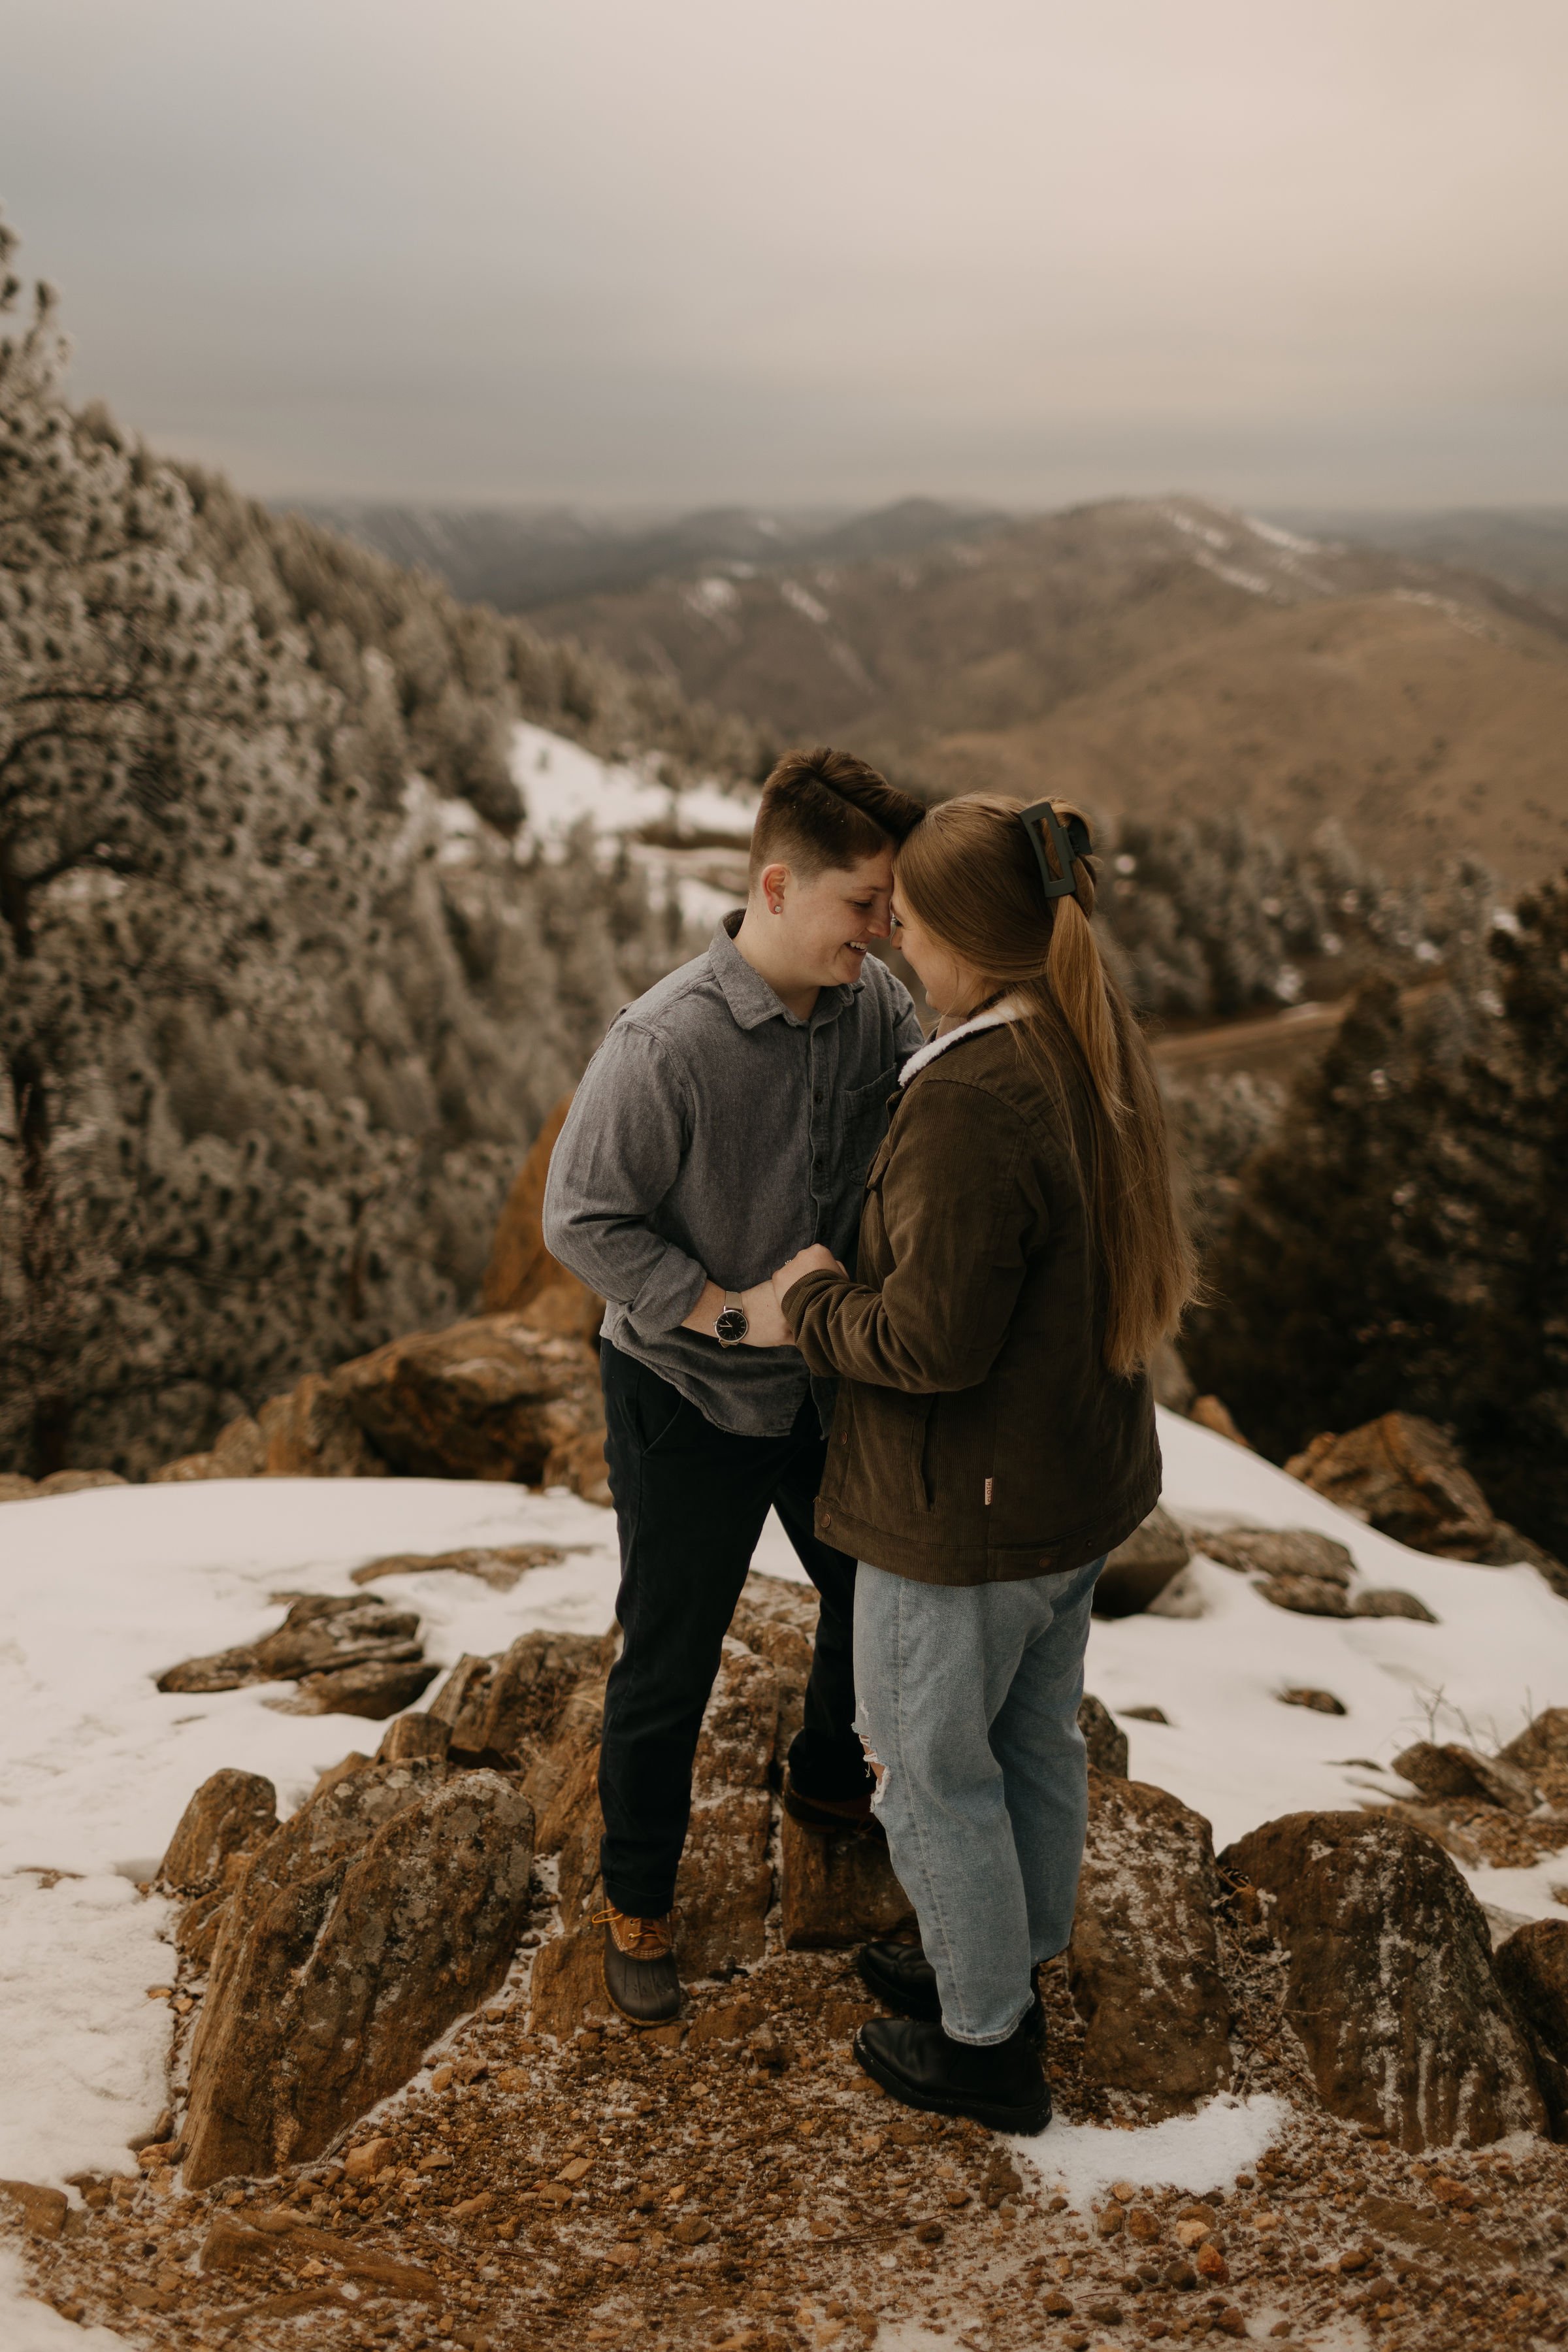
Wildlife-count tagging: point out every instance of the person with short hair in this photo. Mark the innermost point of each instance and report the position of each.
(727, 1121)
(1021, 1253)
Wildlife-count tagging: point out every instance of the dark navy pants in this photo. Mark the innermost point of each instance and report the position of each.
(690, 1501)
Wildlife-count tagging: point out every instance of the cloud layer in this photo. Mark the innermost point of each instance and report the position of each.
(836, 249)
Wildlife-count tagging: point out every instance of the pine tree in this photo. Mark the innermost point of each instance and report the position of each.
(273, 1036)
(1400, 1244)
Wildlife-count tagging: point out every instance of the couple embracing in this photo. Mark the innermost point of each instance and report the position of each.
(953, 1434)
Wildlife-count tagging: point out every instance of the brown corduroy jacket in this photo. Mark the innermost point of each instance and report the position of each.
(978, 1436)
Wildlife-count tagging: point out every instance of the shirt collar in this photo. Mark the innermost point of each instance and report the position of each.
(750, 1000)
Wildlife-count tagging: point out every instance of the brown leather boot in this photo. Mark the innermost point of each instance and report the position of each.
(639, 1966)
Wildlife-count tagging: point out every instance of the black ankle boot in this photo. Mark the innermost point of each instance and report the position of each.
(902, 1975)
(1001, 2085)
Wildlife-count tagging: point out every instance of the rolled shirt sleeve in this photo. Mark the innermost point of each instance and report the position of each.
(617, 1155)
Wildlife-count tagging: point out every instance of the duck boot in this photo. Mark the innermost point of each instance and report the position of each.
(639, 1966)
(1001, 2085)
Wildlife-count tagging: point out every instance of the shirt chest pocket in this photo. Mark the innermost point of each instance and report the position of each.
(862, 1124)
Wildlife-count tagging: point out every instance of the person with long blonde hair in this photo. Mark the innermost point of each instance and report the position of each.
(1021, 1253)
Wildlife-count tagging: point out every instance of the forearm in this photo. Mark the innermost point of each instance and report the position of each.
(844, 1331)
(765, 1326)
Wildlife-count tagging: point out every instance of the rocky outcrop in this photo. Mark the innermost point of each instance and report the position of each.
(1294, 1568)
(230, 1814)
(1403, 1475)
(491, 1398)
(501, 1566)
(1407, 1477)
(1388, 1979)
(1138, 1570)
(724, 1887)
(383, 1909)
(1452, 1770)
(1387, 1600)
(348, 1655)
(15, 1488)
(1541, 1750)
(1531, 1967)
(1103, 1737)
(507, 1709)
(1144, 1962)
(521, 1276)
(839, 1891)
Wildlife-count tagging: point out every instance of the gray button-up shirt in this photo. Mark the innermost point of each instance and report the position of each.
(713, 1135)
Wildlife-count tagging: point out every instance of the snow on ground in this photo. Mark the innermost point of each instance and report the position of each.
(32, 2326)
(99, 1591)
(563, 785)
(1204, 2151)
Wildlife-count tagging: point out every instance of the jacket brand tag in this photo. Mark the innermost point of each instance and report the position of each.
(989, 1484)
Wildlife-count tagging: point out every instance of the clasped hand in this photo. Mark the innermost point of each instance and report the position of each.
(817, 1259)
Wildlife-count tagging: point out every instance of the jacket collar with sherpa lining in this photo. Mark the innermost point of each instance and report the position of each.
(1010, 1009)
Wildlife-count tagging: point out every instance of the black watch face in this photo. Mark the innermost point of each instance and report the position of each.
(731, 1324)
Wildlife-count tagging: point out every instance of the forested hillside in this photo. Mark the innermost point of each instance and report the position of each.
(274, 1030)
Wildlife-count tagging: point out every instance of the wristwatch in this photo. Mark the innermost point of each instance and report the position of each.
(733, 1321)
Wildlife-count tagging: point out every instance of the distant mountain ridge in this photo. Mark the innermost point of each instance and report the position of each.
(519, 560)
(1525, 546)
(1151, 658)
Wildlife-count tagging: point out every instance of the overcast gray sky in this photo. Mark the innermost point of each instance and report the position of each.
(682, 251)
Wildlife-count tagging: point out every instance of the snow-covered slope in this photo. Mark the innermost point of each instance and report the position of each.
(99, 1591)
(566, 786)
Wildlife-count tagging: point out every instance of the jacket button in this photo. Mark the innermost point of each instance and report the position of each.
(827, 1518)
(1045, 1560)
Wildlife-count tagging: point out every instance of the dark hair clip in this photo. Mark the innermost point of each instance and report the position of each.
(1069, 846)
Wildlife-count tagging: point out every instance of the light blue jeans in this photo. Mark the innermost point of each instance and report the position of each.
(967, 1698)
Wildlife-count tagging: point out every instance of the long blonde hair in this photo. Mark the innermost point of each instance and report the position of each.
(969, 873)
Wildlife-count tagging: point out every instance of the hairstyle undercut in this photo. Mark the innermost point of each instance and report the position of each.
(825, 809)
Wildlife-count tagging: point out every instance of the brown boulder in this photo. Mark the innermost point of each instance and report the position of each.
(1387, 1600)
(511, 1706)
(321, 1634)
(1138, 1570)
(839, 1890)
(522, 1274)
(1105, 1741)
(1451, 1770)
(1281, 1551)
(239, 1451)
(373, 1690)
(310, 1434)
(1388, 1979)
(373, 1918)
(38, 2210)
(724, 1886)
(501, 1566)
(1541, 1750)
(1143, 1963)
(1212, 1413)
(567, 1988)
(1403, 1475)
(1531, 1967)
(229, 1814)
(491, 1398)
(1308, 1596)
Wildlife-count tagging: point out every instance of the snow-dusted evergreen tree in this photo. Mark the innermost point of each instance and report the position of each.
(271, 1042)
(1402, 1243)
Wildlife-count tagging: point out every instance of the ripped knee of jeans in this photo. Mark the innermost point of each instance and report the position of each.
(874, 1763)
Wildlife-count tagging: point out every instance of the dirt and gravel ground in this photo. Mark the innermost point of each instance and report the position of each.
(736, 2182)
